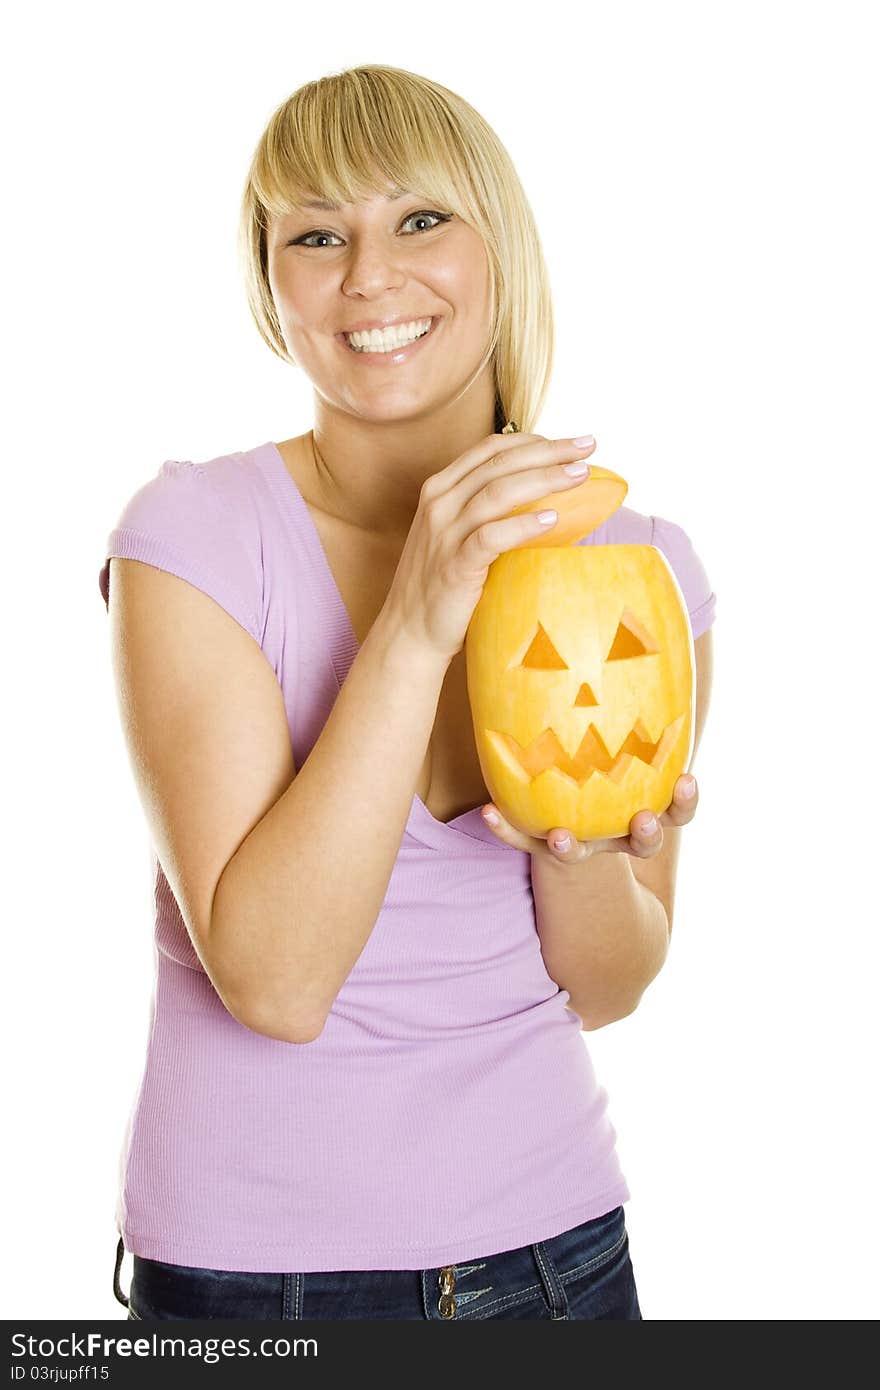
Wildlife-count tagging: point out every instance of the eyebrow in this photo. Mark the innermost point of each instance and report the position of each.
(325, 206)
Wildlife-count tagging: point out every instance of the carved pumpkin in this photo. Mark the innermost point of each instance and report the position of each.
(580, 674)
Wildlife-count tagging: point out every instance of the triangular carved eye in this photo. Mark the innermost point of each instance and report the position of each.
(543, 654)
(630, 639)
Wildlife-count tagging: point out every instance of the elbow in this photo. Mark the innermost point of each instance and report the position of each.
(263, 1014)
(299, 1035)
(260, 1018)
(593, 1025)
(253, 1006)
(280, 1031)
(592, 1022)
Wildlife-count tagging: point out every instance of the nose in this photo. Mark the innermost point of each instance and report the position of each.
(373, 267)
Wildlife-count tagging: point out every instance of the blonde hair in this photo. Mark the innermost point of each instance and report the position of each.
(341, 136)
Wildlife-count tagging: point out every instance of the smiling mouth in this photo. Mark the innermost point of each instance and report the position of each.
(591, 757)
(389, 351)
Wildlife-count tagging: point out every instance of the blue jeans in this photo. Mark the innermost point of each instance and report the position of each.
(585, 1272)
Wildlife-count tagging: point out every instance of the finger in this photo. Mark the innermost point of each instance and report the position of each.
(646, 834)
(503, 830)
(682, 808)
(565, 846)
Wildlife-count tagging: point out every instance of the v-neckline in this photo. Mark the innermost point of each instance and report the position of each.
(430, 830)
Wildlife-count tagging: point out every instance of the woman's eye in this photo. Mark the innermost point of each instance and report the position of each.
(437, 216)
(304, 240)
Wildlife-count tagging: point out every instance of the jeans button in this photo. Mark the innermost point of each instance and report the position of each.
(446, 1304)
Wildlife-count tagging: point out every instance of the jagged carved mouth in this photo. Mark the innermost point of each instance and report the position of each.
(592, 755)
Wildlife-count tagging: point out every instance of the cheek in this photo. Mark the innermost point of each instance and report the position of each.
(475, 288)
(294, 290)
(301, 308)
(460, 275)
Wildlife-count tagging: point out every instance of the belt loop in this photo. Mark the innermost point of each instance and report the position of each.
(554, 1289)
(117, 1291)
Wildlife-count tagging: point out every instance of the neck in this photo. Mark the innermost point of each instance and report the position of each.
(370, 474)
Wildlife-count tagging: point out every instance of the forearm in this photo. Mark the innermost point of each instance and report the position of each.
(604, 935)
(298, 900)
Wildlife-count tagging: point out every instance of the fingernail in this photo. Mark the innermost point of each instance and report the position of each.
(492, 817)
(688, 786)
(562, 842)
(649, 825)
(584, 440)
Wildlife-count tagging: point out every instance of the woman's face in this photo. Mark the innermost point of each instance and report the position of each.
(386, 258)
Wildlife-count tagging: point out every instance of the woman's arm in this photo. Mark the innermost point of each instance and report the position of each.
(604, 922)
(604, 935)
(297, 901)
(279, 875)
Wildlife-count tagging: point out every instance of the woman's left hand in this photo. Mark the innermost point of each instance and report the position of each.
(644, 840)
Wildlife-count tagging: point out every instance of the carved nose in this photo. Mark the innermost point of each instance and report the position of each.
(585, 696)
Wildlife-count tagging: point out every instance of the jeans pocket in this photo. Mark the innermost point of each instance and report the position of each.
(589, 1246)
(595, 1269)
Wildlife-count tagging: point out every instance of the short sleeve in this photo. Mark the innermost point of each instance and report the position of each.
(191, 521)
(688, 570)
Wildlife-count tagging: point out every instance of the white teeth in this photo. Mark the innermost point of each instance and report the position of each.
(387, 339)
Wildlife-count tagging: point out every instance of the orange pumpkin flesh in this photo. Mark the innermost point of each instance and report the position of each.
(581, 509)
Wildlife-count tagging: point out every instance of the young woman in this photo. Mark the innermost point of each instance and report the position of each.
(367, 1092)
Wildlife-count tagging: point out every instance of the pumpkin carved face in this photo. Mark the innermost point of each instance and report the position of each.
(581, 681)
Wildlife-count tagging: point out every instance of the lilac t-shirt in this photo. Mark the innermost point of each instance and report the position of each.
(449, 1108)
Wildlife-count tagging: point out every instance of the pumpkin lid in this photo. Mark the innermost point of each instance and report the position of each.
(581, 509)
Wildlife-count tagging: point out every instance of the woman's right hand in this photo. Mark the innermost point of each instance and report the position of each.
(461, 525)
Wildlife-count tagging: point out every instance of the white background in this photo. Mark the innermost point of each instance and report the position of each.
(702, 177)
